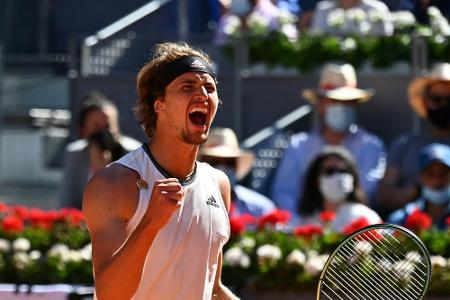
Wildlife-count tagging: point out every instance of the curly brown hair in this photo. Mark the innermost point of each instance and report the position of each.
(149, 87)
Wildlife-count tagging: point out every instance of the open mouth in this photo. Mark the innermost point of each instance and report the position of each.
(198, 116)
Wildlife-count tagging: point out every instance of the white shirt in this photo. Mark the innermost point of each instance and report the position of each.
(182, 261)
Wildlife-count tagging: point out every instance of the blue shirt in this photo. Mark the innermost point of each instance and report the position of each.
(367, 149)
(250, 202)
(399, 216)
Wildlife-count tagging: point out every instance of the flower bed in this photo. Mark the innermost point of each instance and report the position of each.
(274, 47)
(289, 261)
(263, 255)
(44, 246)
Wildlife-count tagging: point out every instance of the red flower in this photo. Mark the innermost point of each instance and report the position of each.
(308, 231)
(71, 215)
(238, 223)
(237, 226)
(42, 219)
(418, 221)
(275, 217)
(12, 224)
(21, 212)
(355, 225)
(327, 216)
(447, 221)
(4, 208)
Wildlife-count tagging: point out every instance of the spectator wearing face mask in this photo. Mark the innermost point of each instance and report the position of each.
(429, 97)
(332, 184)
(335, 100)
(100, 143)
(434, 178)
(222, 151)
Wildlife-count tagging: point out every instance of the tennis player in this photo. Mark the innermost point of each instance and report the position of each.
(157, 218)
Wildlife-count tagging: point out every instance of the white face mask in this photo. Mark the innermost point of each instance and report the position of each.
(336, 187)
(438, 197)
(339, 117)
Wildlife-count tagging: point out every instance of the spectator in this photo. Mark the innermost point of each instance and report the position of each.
(222, 151)
(100, 144)
(242, 13)
(352, 17)
(434, 179)
(332, 184)
(336, 100)
(430, 98)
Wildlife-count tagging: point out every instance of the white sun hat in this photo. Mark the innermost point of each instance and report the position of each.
(223, 143)
(338, 82)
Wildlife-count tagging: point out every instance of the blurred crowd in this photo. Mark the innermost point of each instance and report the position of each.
(336, 17)
(336, 166)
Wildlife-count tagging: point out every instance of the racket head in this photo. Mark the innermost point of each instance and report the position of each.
(377, 262)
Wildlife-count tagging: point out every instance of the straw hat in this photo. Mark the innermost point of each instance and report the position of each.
(439, 73)
(338, 82)
(223, 143)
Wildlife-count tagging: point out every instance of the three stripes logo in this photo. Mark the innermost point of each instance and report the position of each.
(212, 201)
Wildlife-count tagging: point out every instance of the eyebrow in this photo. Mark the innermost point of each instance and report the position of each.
(193, 81)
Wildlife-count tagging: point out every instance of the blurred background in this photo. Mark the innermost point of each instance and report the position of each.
(52, 53)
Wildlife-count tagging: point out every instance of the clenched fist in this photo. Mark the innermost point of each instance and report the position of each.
(166, 198)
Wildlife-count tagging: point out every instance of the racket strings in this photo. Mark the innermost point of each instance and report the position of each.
(376, 265)
(354, 286)
(405, 262)
(388, 287)
(416, 258)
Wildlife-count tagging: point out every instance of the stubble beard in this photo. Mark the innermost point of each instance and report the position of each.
(192, 139)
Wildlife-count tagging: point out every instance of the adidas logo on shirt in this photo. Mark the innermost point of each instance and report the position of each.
(212, 201)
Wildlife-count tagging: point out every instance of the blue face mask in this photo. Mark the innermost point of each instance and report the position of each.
(438, 197)
(339, 117)
(240, 7)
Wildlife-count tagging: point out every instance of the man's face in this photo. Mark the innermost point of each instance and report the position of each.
(188, 107)
(435, 176)
(99, 120)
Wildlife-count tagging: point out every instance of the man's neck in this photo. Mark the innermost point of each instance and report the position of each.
(177, 158)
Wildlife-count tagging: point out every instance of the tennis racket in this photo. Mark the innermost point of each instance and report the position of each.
(378, 262)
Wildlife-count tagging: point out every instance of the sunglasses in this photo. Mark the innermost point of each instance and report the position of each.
(439, 98)
(332, 171)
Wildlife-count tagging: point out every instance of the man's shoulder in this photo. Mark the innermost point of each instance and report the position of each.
(114, 185)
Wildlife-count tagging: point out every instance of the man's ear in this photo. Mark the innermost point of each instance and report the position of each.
(159, 105)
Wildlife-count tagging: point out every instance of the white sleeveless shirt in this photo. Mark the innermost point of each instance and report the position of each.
(182, 261)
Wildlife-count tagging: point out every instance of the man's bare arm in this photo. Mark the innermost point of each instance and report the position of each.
(110, 200)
